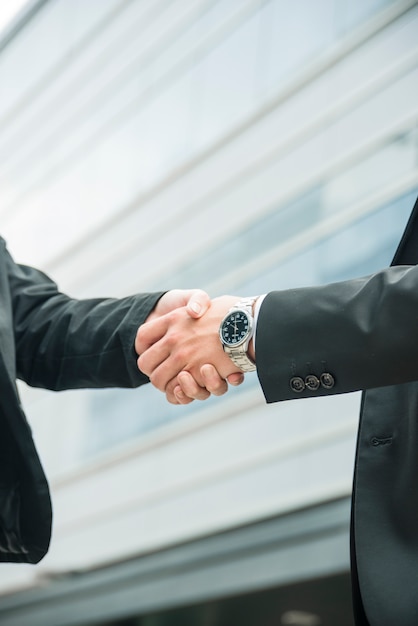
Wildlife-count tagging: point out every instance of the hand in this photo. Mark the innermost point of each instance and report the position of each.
(196, 302)
(175, 342)
(186, 389)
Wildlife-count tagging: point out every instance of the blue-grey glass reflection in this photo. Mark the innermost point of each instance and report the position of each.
(360, 249)
(262, 235)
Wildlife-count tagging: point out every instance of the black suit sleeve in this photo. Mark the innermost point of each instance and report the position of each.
(64, 343)
(363, 332)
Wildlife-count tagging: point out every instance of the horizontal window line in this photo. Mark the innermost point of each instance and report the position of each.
(303, 444)
(324, 229)
(323, 64)
(368, 148)
(131, 108)
(88, 40)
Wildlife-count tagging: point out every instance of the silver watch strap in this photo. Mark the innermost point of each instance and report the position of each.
(241, 360)
(245, 303)
(239, 355)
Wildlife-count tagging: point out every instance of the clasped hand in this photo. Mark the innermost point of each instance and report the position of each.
(180, 350)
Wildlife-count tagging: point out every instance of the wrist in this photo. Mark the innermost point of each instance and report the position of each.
(251, 345)
(251, 350)
(236, 334)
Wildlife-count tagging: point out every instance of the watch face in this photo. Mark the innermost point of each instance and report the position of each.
(235, 328)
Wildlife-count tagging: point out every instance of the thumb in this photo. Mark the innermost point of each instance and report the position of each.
(235, 379)
(198, 303)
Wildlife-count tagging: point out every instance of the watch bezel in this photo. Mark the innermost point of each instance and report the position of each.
(248, 335)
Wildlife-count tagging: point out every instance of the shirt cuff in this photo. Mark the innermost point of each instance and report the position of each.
(257, 307)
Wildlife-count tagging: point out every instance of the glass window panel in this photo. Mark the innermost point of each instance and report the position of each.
(226, 83)
(213, 14)
(88, 115)
(49, 36)
(115, 416)
(112, 174)
(366, 246)
(262, 235)
(398, 158)
(215, 103)
(77, 100)
(86, 119)
(350, 14)
(389, 163)
(360, 249)
(292, 34)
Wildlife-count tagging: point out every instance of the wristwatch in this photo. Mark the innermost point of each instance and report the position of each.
(236, 331)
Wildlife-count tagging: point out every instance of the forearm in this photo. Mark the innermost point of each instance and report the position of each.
(363, 332)
(65, 343)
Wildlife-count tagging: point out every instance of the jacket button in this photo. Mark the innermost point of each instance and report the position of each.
(296, 384)
(312, 382)
(327, 380)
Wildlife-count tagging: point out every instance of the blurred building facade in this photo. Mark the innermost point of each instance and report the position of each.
(235, 145)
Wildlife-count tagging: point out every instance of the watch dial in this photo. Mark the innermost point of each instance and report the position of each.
(235, 328)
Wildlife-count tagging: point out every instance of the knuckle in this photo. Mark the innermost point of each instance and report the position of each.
(175, 315)
(173, 339)
(156, 381)
(219, 389)
(142, 364)
(182, 354)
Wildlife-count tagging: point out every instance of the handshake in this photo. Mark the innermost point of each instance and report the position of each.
(191, 347)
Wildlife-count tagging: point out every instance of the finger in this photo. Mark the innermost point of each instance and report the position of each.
(180, 396)
(171, 398)
(147, 334)
(152, 359)
(191, 388)
(160, 370)
(198, 303)
(212, 380)
(235, 379)
(169, 391)
(175, 394)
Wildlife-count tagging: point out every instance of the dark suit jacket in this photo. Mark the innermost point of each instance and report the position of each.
(364, 333)
(50, 340)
